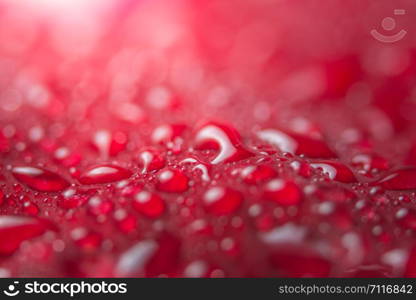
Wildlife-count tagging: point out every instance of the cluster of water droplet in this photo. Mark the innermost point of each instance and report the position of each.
(205, 201)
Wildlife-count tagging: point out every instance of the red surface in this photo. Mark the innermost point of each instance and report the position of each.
(206, 139)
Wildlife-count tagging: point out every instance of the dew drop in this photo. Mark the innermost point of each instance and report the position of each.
(257, 174)
(335, 171)
(104, 174)
(149, 204)
(172, 181)
(40, 179)
(222, 201)
(296, 143)
(15, 229)
(225, 139)
(151, 160)
(283, 192)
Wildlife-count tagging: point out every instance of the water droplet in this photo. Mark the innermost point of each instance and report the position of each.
(225, 139)
(87, 240)
(203, 168)
(151, 160)
(104, 174)
(335, 171)
(30, 208)
(40, 179)
(149, 204)
(296, 143)
(150, 257)
(99, 207)
(125, 222)
(165, 134)
(67, 158)
(196, 269)
(15, 229)
(172, 181)
(406, 218)
(222, 201)
(71, 199)
(134, 260)
(257, 174)
(109, 143)
(283, 192)
(368, 162)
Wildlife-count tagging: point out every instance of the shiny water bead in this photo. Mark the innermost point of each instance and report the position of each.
(169, 133)
(151, 257)
(149, 204)
(335, 171)
(109, 143)
(30, 208)
(296, 143)
(99, 207)
(283, 192)
(16, 229)
(172, 181)
(224, 139)
(104, 174)
(126, 222)
(222, 200)
(257, 174)
(87, 240)
(151, 160)
(368, 162)
(406, 218)
(40, 179)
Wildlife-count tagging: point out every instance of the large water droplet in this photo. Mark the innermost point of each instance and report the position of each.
(15, 229)
(172, 180)
(104, 174)
(257, 174)
(40, 179)
(99, 207)
(202, 168)
(225, 139)
(151, 160)
(222, 201)
(368, 162)
(283, 192)
(109, 143)
(168, 133)
(148, 204)
(406, 218)
(335, 171)
(150, 257)
(296, 143)
(87, 240)
(134, 260)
